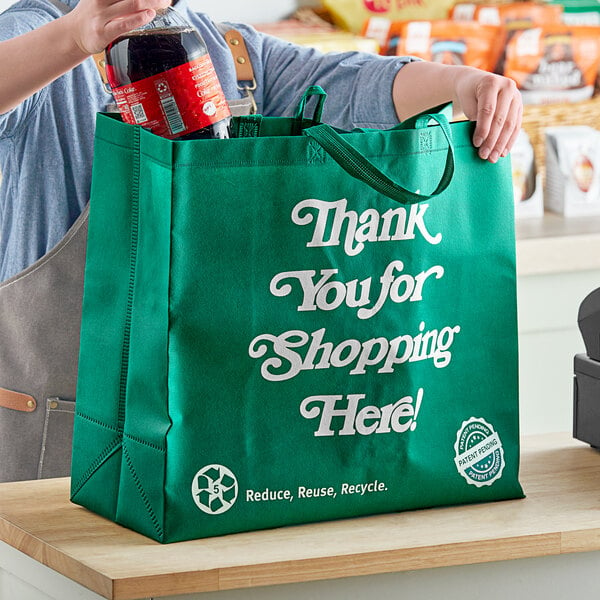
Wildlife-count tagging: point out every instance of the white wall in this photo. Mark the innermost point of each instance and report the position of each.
(245, 11)
(548, 340)
(262, 11)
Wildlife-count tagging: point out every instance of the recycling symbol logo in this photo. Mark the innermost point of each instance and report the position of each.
(209, 109)
(214, 489)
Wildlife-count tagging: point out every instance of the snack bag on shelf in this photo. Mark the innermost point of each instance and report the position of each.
(352, 14)
(580, 12)
(554, 63)
(518, 15)
(527, 182)
(514, 15)
(573, 170)
(444, 41)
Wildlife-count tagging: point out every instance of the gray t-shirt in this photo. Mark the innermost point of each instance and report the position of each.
(46, 143)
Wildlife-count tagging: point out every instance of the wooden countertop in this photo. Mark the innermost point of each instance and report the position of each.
(561, 514)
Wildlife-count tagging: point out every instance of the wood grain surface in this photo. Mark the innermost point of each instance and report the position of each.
(561, 514)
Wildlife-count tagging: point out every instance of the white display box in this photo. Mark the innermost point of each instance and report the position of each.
(573, 171)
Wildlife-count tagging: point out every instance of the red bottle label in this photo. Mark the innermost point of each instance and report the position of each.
(177, 102)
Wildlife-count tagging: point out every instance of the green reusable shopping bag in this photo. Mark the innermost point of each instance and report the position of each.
(295, 325)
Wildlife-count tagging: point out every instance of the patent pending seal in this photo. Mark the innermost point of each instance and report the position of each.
(478, 453)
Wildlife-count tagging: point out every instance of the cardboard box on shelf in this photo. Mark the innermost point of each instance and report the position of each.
(527, 181)
(308, 29)
(573, 170)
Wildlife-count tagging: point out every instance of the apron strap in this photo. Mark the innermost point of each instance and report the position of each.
(17, 401)
(246, 81)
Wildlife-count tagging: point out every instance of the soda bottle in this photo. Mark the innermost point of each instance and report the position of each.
(163, 79)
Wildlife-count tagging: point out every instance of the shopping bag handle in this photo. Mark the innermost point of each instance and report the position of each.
(359, 166)
(313, 91)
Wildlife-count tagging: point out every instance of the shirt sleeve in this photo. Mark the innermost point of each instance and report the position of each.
(15, 22)
(358, 84)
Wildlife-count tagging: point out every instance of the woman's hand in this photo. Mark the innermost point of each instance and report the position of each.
(495, 103)
(491, 100)
(96, 23)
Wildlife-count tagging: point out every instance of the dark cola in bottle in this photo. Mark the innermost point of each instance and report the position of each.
(163, 79)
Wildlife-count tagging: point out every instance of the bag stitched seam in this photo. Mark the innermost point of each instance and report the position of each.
(97, 422)
(140, 488)
(269, 162)
(126, 347)
(142, 442)
(304, 162)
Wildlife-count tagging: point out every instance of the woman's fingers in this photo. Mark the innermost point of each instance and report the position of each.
(499, 114)
(96, 23)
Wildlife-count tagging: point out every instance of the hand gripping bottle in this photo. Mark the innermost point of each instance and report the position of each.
(163, 79)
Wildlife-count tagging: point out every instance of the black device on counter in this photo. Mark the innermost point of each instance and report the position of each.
(586, 385)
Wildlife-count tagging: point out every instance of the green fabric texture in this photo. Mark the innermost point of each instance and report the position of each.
(295, 325)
